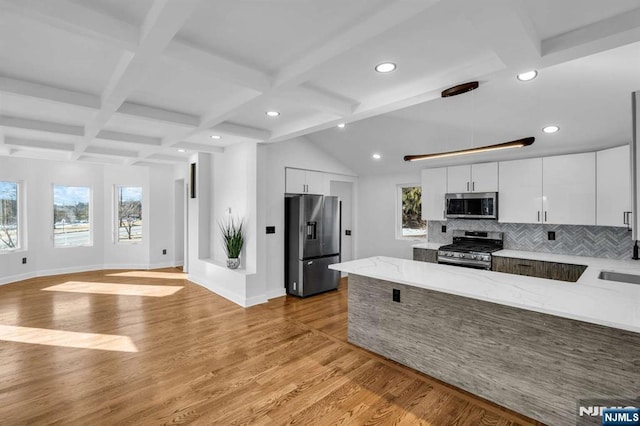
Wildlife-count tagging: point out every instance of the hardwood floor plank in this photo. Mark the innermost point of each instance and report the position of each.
(204, 360)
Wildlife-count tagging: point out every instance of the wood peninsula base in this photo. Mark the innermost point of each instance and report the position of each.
(537, 364)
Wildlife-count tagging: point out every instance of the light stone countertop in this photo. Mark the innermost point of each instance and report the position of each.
(430, 246)
(592, 300)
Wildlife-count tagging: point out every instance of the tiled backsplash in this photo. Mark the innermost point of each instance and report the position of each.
(594, 241)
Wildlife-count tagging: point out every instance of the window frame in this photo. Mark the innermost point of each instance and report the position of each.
(20, 218)
(398, 209)
(89, 220)
(116, 215)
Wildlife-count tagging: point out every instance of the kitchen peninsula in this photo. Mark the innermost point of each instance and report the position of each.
(534, 345)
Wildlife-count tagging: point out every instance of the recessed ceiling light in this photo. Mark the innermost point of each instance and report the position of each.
(551, 129)
(385, 67)
(216, 137)
(341, 125)
(376, 156)
(527, 76)
(272, 113)
(182, 150)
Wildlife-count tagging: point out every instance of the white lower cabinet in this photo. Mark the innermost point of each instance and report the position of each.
(554, 190)
(434, 187)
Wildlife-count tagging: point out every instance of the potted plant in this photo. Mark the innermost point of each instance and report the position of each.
(232, 240)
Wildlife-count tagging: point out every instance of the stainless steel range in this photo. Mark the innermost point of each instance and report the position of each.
(471, 248)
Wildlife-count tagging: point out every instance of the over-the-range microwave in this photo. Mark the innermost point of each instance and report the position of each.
(472, 205)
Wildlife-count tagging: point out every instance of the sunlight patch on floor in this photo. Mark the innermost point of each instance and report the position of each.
(116, 289)
(150, 274)
(67, 339)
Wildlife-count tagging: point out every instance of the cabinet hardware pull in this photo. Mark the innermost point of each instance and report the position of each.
(467, 186)
(473, 186)
(624, 218)
(545, 216)
(538, 215)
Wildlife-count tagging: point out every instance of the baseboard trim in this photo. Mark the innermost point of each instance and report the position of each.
(16, 278)
(279, 292)
(220, 291)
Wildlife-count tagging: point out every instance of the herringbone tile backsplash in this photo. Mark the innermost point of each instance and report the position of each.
(578, 240)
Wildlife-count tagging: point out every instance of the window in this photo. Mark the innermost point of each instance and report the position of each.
(129, 213)
(410, 223)
(9, 231)
(71, 216)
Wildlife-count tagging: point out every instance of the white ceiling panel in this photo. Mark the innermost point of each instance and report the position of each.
(177, 86)
(40, 109)
(270, 34)
(34, 51)
(130, 11)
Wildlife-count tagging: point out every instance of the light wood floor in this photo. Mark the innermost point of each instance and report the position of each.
(131, 349)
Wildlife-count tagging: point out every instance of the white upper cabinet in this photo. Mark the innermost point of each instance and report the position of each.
(484, 177)
(520, 197)
(434, 187)
(613, 191)
(298, 181)
(459, 179)
(554, 190)
(569, 188)
(481, 177)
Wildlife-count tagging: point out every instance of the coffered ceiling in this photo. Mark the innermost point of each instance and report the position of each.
(134, 82)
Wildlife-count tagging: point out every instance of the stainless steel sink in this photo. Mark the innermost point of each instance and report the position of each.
(618, 276)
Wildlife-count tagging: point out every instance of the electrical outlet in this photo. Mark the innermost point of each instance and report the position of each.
(396, 295)
(347, 232)
(444, 228)
(551, 235)
(164, 251)
(24, 260)
(271, 229)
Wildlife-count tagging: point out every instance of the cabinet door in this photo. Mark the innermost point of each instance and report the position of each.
(613, 186)
(459, 179)
(520, 197)
(569, 188)
(295, 181)
(484, 177)
(315, 182)
(434, 186)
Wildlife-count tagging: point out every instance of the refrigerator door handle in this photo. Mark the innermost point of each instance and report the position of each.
(312, 233)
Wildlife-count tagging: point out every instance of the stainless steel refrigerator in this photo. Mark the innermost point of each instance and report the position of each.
(312, 243)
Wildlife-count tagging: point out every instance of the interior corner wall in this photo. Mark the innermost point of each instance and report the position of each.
(37, 178)
(297, 153)
(377, 231)
(161, 204)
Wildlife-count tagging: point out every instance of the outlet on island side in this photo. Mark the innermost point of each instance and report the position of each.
(396, 295)
(164, 251)
(271, 229)
(444, 228)
(24, 260)
(551, 235)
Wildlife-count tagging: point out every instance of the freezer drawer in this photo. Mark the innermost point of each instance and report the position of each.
(313, 276)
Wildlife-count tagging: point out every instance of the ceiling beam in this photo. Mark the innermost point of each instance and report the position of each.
(111, 152)
(36, 144)
(51, 93)
(76, 18)
(234, 129)
(163, 21)
(42, 126)
(159, 114)
(128, 137)
(603, 35)
(508, 31)
(199, 147)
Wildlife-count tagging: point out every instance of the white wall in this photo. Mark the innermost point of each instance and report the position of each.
(39, 176)
(298, 153)
(377, 216)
